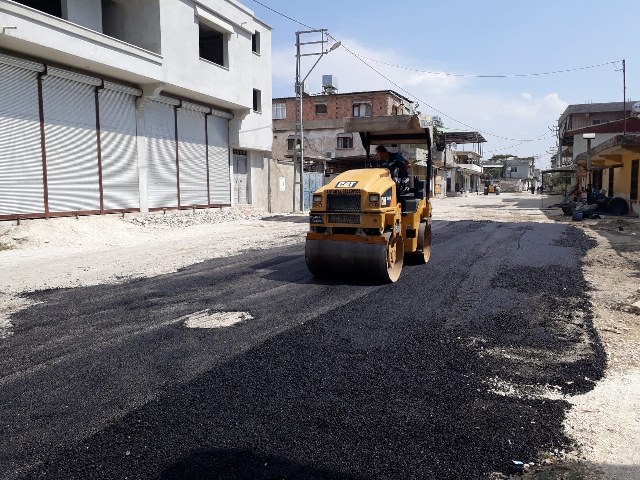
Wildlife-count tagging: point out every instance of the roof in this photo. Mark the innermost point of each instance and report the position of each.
(460, 136)
(391, 129)
(616, 126)
(593, 108)
(559, 170)
(391, 92)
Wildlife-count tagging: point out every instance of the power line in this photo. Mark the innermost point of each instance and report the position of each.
(283, 15)
(403, 89)
(474, 75)
(431, 106)
(543, 137)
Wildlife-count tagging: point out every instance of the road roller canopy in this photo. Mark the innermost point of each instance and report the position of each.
(391, 129)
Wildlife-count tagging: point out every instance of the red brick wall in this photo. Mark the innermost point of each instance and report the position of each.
(340, 106)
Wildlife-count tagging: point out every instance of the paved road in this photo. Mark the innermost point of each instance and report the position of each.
(327, 381)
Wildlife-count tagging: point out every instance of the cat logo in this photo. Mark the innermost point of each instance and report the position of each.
(346, 184)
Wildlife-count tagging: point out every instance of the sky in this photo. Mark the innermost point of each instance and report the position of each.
(440, 49)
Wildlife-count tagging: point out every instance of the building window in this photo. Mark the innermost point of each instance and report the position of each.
(292, 142)
(345, 142)
(362, 110)
(255, 42)
(213, 45)
(321, 108)
(514, 169)
(596, 122)
(279, 111)
(394, 110)
(52, 7)
(257, 100)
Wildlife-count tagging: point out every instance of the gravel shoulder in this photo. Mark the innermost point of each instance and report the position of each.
(605, 422)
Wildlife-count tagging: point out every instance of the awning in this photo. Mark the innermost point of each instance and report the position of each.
(559, 170)
(469, 168)
(460, 136)
(608, 154)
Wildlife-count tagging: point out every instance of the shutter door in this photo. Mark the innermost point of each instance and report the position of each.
(119, 149)
(192, 154)
(161, 152)
(219, 174)
(71, 145)
(21, 183)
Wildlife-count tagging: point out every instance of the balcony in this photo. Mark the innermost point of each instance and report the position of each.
(38, 33)
(470, 168)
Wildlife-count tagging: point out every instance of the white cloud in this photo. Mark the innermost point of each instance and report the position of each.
(477, 104)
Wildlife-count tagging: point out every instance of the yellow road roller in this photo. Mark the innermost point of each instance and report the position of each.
(361, 224)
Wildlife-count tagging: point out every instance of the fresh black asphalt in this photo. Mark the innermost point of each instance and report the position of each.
(329, 380)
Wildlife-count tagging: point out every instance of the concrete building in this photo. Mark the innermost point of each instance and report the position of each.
(111, 105)
(612, 163)
(330, 151)
(515, 174)
(581, 116)
(467, 175)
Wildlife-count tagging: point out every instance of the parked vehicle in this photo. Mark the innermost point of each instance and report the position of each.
(491, 186)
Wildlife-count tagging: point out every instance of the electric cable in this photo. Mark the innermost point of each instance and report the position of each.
(400, 87)
(475, 75)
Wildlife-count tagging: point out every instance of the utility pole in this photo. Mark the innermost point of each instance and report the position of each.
(624, 96)
(299, 86)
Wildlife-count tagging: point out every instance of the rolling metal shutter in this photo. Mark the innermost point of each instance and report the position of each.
(161, 153)
(192, 154)
(119, 147)
(71, 143)
(219, 172)
(21, 177)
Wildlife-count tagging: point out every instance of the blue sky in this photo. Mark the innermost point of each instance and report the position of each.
(494, 37)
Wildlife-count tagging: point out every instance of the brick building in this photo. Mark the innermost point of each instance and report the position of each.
(326, 144)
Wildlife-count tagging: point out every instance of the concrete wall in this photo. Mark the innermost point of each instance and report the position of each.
(622, 177)
(580, 144)
(87, 13)
(135, 21)
(580, 120)
(255, 131)
(280, 175)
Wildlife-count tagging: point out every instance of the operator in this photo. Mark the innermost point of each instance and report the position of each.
(397, 165)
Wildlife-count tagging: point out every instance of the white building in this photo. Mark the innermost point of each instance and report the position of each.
(113, 105)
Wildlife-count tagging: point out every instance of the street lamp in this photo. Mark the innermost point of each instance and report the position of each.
(299, 86)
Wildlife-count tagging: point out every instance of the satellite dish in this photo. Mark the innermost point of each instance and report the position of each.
(453, 145)
(635, 109)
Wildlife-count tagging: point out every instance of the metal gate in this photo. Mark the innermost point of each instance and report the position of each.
(311, 181)
(240, 175)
